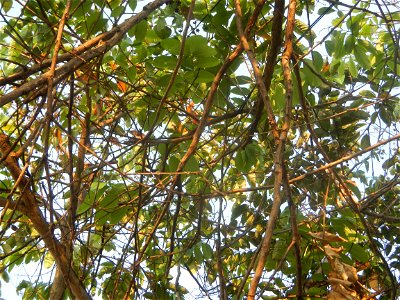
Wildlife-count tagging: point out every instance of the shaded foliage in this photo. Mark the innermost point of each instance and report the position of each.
(250, 146)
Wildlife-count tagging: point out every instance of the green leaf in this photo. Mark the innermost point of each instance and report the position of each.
(23, 285)
(192, 165)
(309, 77)
(329, 46)
(198, 255)
(162, 30)
(6, 5)
(5, 276)
(396, 111)
(385, 115)
(239, 161)
(207, 251)
(279, 249)
(359, 253)
(199, 54)
(140, 31)
(338, 21)
(365, 141)
(362, 57)
(247, 158)
(199, 76)
(113, 196)
(117, 11)
(101, 217)
(303, 29)
(132, 4)
(340, 72)
(349, 44)
(117, 214)
(171, 45)
(318, 61)
(203, 62)
(340, 225)
(96, 190)
(354, 23)
(238, 210)
(353, 68)
(173, 163)
(390, 162)
(131, 74)
(278, 96)
(325, 10)
(165, 62)
(353, 187)
(6, 248)
(367, 94)
(95, 22)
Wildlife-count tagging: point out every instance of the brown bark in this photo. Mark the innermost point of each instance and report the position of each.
(57, 287)
(278, 157)
(30, 207)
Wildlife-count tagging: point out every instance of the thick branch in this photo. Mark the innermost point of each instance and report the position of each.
(29, 206)
(278, 157)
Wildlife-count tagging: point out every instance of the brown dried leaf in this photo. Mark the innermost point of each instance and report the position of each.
(351, 272)
(337, 267)
(327, 237)
(334, 296)
(336, 281)
(332, 252)
(373, 282)
(345, 293)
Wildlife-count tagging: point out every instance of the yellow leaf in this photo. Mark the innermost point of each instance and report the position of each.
(48, 260)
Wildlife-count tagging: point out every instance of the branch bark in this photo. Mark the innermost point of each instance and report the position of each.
(29, 206)
(59, 283)
(280, 149)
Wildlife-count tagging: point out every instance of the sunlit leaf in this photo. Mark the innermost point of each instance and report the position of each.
(362, 57)
(353, 68)
(48, 260)
(6, 5)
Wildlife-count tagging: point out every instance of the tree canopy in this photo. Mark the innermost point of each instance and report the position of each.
(252, 146)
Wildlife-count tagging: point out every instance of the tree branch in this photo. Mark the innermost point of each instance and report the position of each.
(278, 157)
(98, 46)
(29, 206)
